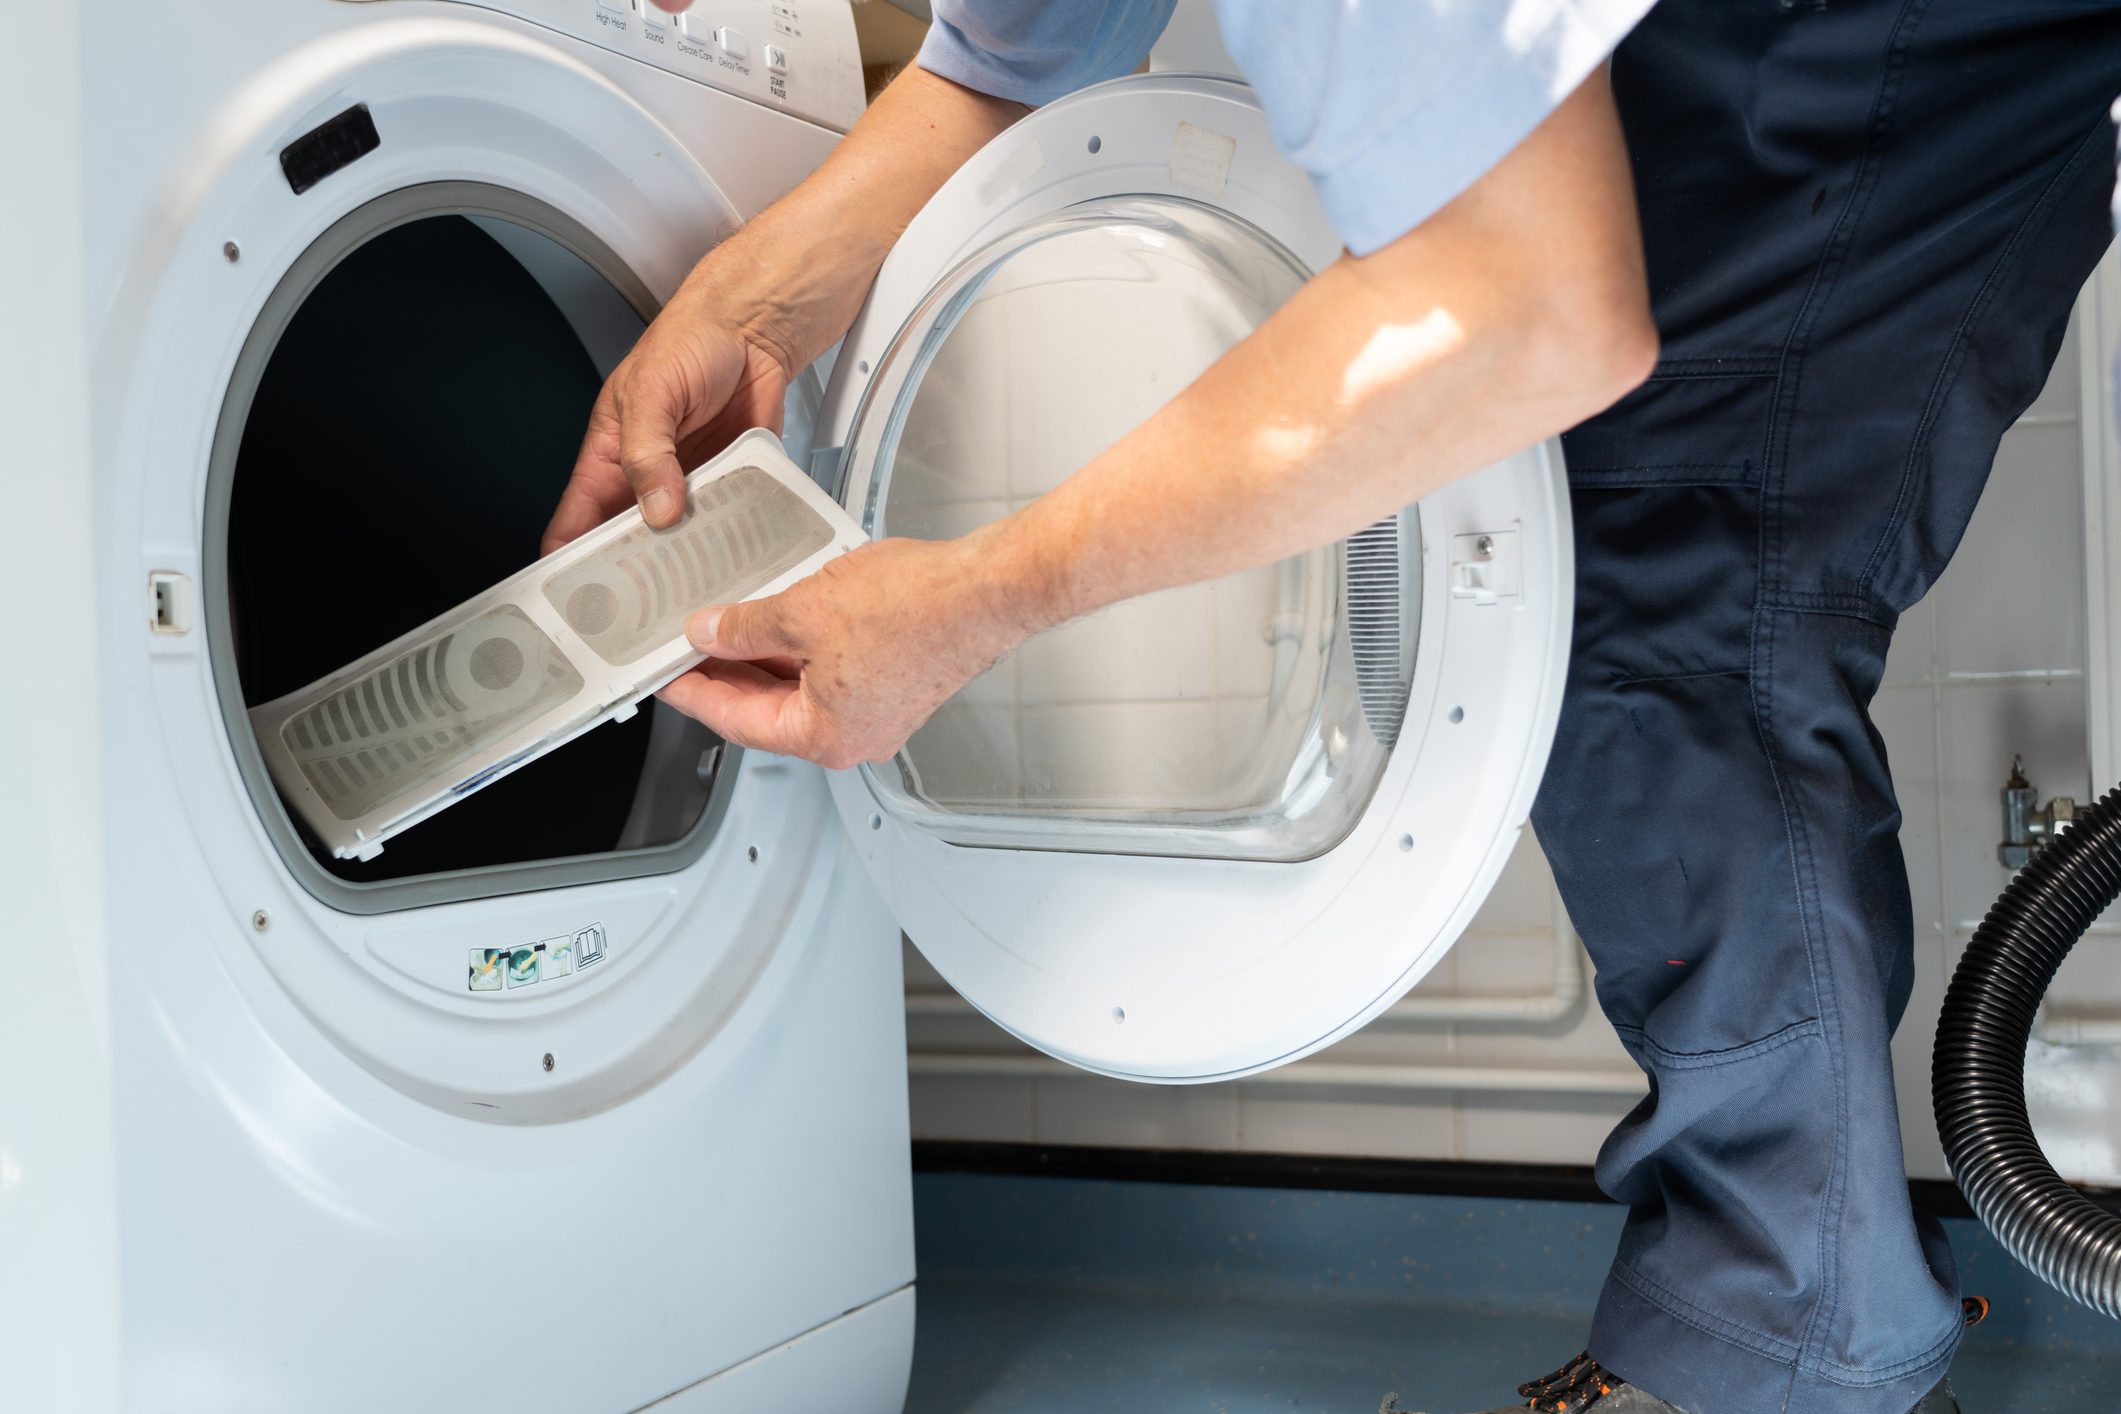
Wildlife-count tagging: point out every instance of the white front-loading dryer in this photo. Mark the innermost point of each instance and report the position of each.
(360, 1140)
(344, 277)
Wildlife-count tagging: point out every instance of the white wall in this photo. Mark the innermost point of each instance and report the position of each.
(1993, 663)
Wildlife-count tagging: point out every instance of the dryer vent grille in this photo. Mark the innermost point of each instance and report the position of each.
(1383, 667)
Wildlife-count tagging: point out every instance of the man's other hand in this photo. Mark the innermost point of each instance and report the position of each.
(842, 667)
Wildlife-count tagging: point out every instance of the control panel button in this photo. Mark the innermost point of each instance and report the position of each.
(731, 43)
(777, 58)
(692, 27)
(612, 7)
(652, 15)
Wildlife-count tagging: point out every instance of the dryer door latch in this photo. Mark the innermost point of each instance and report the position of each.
(1485, 566)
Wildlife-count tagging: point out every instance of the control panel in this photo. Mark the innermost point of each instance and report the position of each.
(799, 56)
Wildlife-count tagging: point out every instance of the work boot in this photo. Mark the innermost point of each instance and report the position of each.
(1583, 1384)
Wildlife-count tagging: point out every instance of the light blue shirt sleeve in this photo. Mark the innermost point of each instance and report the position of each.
(1393, 107)
(1034, 51)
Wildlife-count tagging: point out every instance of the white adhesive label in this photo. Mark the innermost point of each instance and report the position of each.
(1201, 157)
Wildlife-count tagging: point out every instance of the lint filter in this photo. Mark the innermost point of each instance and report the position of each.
(575, 640)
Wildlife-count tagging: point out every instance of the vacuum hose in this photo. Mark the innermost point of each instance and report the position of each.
(1977, 1073)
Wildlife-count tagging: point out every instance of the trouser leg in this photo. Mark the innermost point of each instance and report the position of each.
(1866, 221)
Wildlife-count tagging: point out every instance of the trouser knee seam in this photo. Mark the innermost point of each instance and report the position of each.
(1731, 1055)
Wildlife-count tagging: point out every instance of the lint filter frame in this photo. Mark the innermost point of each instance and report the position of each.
(554, 650)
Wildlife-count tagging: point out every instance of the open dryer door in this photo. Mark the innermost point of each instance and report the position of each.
(1218, 828)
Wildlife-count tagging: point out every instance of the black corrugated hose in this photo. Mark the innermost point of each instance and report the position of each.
(1977, 1073)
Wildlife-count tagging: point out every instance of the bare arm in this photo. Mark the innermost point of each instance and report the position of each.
(1514, 313)
(766, 302)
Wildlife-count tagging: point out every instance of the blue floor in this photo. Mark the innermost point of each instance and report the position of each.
(1055, 1296)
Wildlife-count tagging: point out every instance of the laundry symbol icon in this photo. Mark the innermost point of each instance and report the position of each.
(523, 967)
(486, 965)
(559, 957)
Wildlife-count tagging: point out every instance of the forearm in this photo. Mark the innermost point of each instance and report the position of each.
(1513, 314)
(796, 275)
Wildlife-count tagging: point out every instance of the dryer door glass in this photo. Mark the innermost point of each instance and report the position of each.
(1246, 718)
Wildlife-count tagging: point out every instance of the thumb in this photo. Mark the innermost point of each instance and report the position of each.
(757, 629)
(651, 408)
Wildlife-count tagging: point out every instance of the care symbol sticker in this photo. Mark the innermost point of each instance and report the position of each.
(495, 968)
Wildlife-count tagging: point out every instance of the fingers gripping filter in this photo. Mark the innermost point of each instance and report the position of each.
(576, 639)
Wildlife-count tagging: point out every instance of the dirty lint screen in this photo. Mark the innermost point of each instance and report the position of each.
(408, 723)
(740, 532)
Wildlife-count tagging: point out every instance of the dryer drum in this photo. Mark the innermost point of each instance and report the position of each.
(408, 409)
(1977, 1072)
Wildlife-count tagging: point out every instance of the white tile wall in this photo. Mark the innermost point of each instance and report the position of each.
(1991, 665)
(1381, 1124)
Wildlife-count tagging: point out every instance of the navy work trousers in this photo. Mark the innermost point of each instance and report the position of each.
(1866, 222)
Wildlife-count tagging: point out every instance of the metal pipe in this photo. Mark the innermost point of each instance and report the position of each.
(2061, 1028)
(1533, 1008)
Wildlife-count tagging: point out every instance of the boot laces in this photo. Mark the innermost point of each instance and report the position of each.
(1578, 1385)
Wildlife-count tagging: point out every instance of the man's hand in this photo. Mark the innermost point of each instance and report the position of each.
(768, 300)
(695, 380)
(842, 667)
